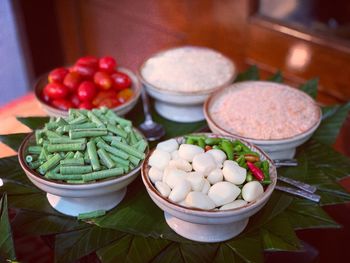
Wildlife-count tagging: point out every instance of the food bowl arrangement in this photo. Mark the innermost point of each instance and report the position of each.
(89, 83)
(208, 185)
(273, 116)
(180, 79)
(84, 162)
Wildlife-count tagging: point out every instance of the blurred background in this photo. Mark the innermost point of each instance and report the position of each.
(302, 38)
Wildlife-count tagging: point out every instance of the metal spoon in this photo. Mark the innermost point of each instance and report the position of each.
(152, 130)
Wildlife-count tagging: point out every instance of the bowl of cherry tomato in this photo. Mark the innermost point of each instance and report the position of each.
(90, 83)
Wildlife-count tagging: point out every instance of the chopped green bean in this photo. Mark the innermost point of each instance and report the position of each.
(63, 177)
(79, 169)
(112, 150)
(105, 158)
(92, 154)
(50, 163)
(65, 147)
(66, 139)
(84, 134)
(79, 120)
(119, 160)
(121, 121)
(135, 161)
(128, 149)
(77, 161)
(78, 154)
(95, 119)
(117, 131)
(103, 174)
(34, 149)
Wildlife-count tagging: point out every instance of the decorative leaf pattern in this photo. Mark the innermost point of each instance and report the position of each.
(7, 249)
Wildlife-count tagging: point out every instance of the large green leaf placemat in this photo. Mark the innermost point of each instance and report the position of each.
(135, 231)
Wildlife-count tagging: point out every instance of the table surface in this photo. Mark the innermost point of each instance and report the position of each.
(28, 106)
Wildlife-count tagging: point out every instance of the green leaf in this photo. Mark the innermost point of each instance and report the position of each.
(278, 235)
(305, 214)
(14, 179)
(252, 73)
(323, 167)
(333, 119)
(36, 223)
(7, 249)
(277, 77)
(276, 205)
(137, 214)
(73, 245)
(310, 87)
(226, 254)
(133, 249)
(33, 122)
(248, 247)
(13, 140)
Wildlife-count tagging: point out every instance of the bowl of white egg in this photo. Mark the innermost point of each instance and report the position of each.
(208, 185)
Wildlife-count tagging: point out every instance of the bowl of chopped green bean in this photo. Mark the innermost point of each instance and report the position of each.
(208, 185)
(84, 162)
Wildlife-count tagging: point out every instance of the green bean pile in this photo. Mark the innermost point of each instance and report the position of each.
(85, 147)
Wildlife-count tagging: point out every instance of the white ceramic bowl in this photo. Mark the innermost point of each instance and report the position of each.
(208, 225)
(74, 199)
(120, 110)
(276, 149)
(180, 106)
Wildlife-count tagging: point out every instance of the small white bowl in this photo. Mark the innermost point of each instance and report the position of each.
(208, 225)
(120, 110)
(180, 106)
(74, 199)
(276, 149)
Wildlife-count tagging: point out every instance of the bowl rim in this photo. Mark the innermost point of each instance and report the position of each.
(181, 93)
(136, 87)
(53, 183)
(208, 102)
(212, 213)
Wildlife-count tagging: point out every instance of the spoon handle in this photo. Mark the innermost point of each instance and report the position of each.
(146, 106)
(285, 162)
(313, 197)
(306, 187)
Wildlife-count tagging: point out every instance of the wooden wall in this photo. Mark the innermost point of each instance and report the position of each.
(133, 30)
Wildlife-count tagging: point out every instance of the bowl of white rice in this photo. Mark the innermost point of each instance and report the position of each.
(181, 78)
(273, 116)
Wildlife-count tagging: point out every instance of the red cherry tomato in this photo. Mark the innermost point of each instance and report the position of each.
(89, 61)
(57, 75)
(86, 72)
(86, 91)
(75, 100)
(62, 104)
(86, 105)
(107, 64)
(103, 80)
(125, 95)
(72, 81)
(106, 98)
(120, 80)
(55, 91)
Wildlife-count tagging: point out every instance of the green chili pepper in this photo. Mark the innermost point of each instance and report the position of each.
(212, 141)
(227, 147)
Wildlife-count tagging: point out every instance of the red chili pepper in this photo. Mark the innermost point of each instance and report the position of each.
(258, 174)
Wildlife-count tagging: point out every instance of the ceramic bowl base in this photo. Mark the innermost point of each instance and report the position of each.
(284, 154)
(205, 232)
(74, 206)
(180, 113)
